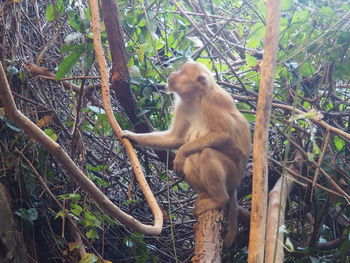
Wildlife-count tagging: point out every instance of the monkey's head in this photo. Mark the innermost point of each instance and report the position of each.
(192, 79)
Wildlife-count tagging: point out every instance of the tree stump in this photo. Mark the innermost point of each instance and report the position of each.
(208, 239)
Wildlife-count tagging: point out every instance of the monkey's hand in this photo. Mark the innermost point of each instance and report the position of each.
(179, 161)
(130, 135)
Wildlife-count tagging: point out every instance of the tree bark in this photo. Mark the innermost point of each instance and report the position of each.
(276, 210)
(12, 248)
(120, 75)
(260, 174)
(120, 79)
(208, 237)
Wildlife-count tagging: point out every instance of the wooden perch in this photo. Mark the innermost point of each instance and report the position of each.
(208, 237)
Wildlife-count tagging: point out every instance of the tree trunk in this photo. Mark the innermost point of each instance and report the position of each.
(260, 143)
(208, 237)
(120, 75)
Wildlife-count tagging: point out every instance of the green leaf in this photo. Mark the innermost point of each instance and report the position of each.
(142, 23)
(72, 197)
(250, 117)
(253, 42)
(184, 186)
(140, 51)
(310, 156)
(326, 11)
(283, 229)
(346, 7)
(315, 148)
(258, 31)
(74, 20)
(50, 16)
(67, 64)
(289, 245)
(89, 258)
(98, 180)
(159, 44)
(29, 215)
(97, 168)
(286, 4)
(261, 7)
(205, 61)
(74, 36)
(12, 70)
(89, 58)
(91, 220)
(301, 16)
(250, 60)
(307, 70)
(72, 48)
(9, 124)
(52, 10)
(96, 109)
(60, 7)
(92, 234)
(311, 114)
(51, 134)
(342, 70)
(76, 209)
(339, 143)
(344, 38)
(129, 242)
(60, 214)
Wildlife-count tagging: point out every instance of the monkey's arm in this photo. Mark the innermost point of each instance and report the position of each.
(222, 127)
(210, 140)
(220, 135)
(161, 140)
(170, 139)
(216, 140)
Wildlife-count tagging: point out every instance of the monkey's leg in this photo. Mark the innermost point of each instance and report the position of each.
(213, 179)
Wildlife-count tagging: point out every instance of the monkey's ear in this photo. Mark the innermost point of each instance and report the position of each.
(202, 80)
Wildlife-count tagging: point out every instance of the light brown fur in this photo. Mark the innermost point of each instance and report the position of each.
(212, 138)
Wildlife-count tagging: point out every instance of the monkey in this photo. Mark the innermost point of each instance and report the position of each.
(212, 139)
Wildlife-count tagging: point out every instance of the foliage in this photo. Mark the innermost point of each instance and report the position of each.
(312, 75)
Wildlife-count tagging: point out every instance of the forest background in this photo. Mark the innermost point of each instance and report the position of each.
(47, 53)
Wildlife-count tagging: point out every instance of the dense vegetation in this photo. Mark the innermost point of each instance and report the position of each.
(311, 114)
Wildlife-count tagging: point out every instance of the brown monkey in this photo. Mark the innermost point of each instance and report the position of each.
(212, 138)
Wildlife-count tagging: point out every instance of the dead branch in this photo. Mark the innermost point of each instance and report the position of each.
(157, 213)
(260, 167)
(276, 211)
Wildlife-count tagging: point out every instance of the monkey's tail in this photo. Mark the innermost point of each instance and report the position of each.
(232, 220)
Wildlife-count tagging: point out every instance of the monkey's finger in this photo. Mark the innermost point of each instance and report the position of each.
(126, 134)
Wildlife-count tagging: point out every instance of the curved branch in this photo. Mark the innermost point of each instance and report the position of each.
(63, 158)
(157, 213)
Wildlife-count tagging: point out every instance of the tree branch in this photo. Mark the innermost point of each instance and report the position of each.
(260, 167)
(146, 190)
